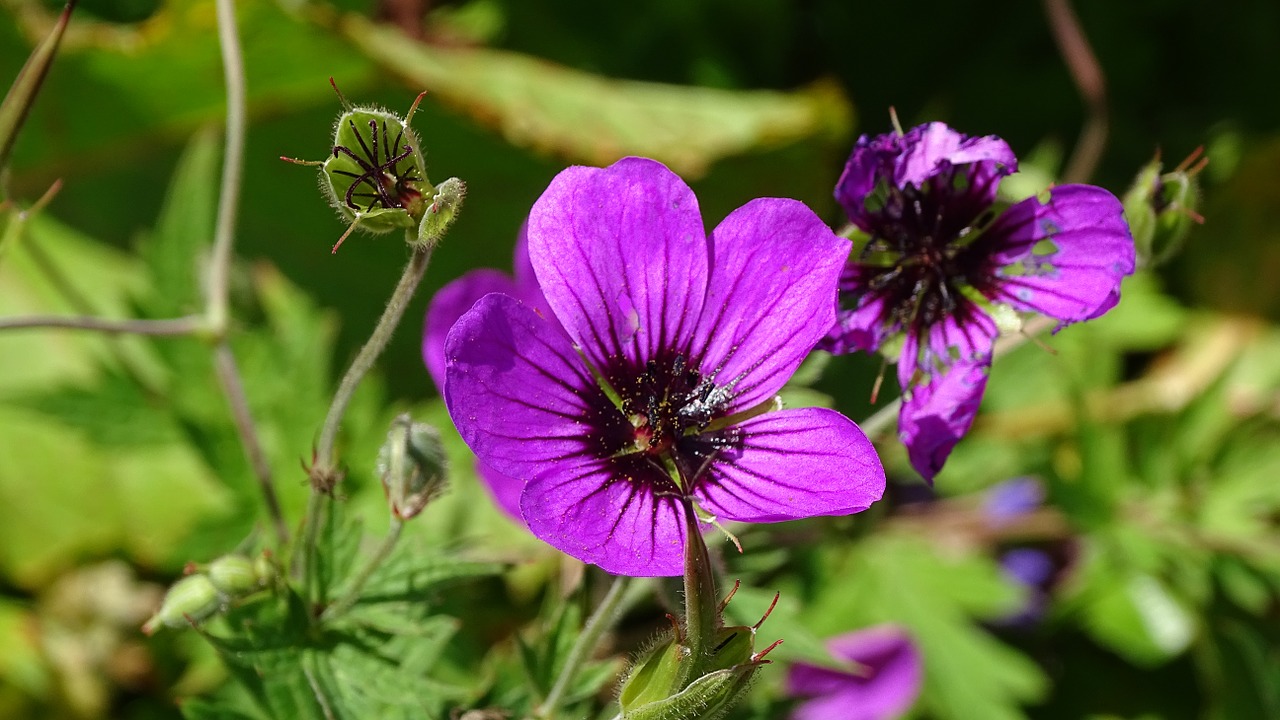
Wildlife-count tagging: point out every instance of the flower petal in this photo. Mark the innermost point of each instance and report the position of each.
(793, 464)
(771, 297)
(862, 328)
(515, 388)
(935, 415)
(932, 148)
(884, 684)
(621, 255)
(504, 489)
(586, 511)
(1078, 278)
(449, 304)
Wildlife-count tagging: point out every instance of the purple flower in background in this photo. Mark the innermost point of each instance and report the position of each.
(940, 255)
(449, 304)
(883, 679)
(661, 388)
(1011, 499)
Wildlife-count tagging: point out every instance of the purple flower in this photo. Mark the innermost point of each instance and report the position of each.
(661, 388)
(1009, 500)
(941, 255)
(882, 680)
(449, 304)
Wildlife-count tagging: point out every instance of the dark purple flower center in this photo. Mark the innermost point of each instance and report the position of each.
(661, 436)
(926, 256)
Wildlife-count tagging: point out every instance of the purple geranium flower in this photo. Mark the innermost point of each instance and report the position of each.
(661, 388)
(882, 682)
(941, 255)
(449, 304)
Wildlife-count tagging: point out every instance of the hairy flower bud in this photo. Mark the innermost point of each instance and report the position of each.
(191, 599)
(1162, 207)
(412, 465)
(233, 575)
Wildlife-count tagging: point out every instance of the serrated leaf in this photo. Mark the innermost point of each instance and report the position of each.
(595, 120)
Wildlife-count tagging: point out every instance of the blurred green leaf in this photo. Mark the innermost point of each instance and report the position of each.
(595, 120)
(936, 596)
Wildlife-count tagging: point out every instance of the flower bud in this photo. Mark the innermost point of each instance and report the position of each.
(440, 215)
(191, 599)
(233, 575)
(654, 676)
(412, 465)
(265, 569)
(1161, 207)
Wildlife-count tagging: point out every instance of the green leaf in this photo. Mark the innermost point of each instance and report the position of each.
(596, 120)
(938, 598)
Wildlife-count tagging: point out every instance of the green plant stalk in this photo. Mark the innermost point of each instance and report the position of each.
(352, 595)
(603, 618)
(323, 472)
(701, 606)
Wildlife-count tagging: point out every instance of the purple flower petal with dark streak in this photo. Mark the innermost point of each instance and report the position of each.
(661, 391)
(883, 681)
(940, 254)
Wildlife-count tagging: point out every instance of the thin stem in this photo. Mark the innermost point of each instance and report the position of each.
(229, 378)
(701, 606)
(1087, 74)
(232, 166)
(322, 471)
(187, 325)
(604, 616)
(369, 354)
(345, 602)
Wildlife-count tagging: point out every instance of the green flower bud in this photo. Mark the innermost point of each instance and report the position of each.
(444, 208)
(1161, 208)
(233, 575)
(191, 599)
(654, 676)
(265, 569)
(412, 465)
(376, 177)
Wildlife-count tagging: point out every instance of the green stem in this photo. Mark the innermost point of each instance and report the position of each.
(323, 473)
(348, 599)
(232, 166)
(603, 617)
(701, 606)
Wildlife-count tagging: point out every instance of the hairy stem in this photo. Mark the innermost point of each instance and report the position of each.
(1087, 75)
(323, 472)
(701, 606)
(232, 166)
(176, 326)
(604, 616)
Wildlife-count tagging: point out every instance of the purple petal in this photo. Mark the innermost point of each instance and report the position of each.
(1027, 566)
(515, 387)
(584, 510)
(621, 255)
(504, 489)
(884, 683)
(863, 328)
(1076, 274)
(934, 148)
(793, 464)
(771, 296)
(935, 415)
(448, 305)
(521, 266)
(870, 163)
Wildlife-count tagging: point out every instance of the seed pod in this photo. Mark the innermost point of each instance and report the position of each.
(376, 177)
(191, 599)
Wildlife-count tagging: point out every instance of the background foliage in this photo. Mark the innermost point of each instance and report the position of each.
(1153, 431)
